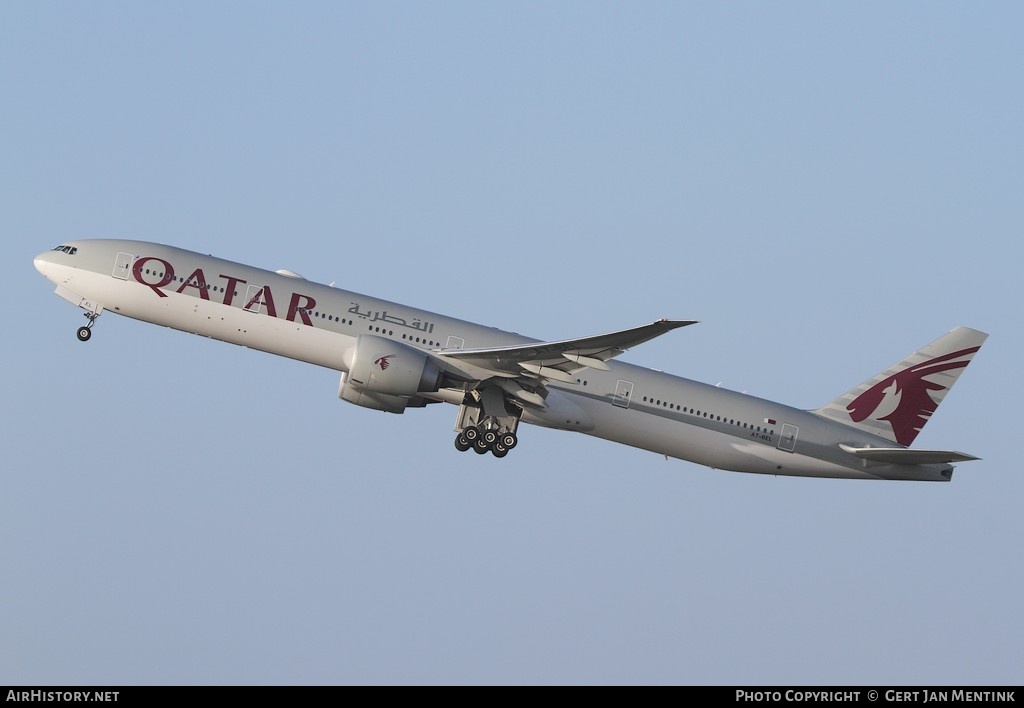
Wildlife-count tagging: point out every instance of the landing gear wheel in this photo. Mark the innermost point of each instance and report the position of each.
(84, 333)
(490, 437)
(471, 434)
(461, 444)
(499, 450)
(480, 447)
(509, 440)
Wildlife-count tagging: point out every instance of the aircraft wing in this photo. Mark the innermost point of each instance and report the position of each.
(905, 456)
(557, 360)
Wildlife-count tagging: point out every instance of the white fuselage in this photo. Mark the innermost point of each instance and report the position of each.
(283, 314)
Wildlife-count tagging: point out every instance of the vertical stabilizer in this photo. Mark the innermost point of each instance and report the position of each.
(897, 403)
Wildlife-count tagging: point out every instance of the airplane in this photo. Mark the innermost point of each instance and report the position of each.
(394, 357)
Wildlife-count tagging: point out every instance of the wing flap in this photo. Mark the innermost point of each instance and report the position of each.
(905, 456)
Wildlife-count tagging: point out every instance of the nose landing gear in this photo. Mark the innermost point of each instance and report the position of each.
(85, 332)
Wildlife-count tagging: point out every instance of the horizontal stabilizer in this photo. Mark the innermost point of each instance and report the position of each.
(904, 456)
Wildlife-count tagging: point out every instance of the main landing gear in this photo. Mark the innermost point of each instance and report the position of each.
(487, 422)
(85, 333)
(482, 439)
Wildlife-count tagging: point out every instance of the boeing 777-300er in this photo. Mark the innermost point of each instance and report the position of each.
(393, 357)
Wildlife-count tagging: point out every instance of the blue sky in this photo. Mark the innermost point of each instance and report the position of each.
(826, 187)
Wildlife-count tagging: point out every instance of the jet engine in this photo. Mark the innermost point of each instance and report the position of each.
(386, 375)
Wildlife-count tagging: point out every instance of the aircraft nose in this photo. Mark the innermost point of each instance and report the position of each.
(40, 263)
(44, 263)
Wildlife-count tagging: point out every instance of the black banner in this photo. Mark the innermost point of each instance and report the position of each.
(751, 695)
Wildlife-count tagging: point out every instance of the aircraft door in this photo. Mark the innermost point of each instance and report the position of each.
(787, 441)
(123, 266)
(623, 393)
(253, 298)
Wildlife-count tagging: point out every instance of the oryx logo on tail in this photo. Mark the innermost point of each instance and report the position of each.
(897, 403)
(904, 399)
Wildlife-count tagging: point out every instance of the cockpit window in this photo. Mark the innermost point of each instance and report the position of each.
(70, 250)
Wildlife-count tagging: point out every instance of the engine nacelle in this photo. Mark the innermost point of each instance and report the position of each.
(386, 375)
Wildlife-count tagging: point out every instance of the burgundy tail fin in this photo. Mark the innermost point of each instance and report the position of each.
(898, 402)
